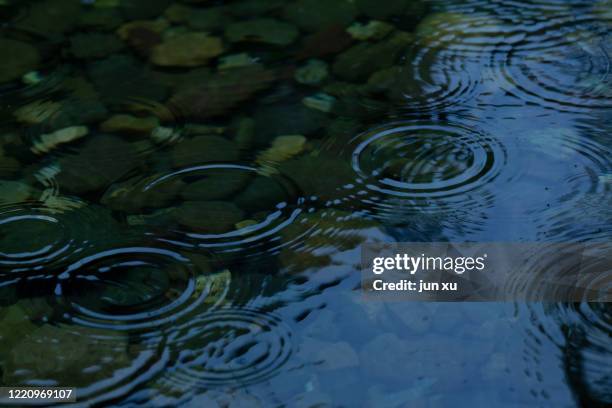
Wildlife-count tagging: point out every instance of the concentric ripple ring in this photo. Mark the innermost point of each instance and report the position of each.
(137, 288)
(49, 241)
(427, 161)
(229, 347)
(249, 240)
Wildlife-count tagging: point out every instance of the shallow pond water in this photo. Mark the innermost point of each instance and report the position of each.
(185, 186)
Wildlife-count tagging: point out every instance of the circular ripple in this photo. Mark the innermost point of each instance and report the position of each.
(516, 7)
(572, 166)
(84, 357)
(580, 330)
(445, 66)
(580, 335)
(171, 124)
(135, 288)
(555, 54)
(564, 271)
(565, 69)
(36, 238)
(251, 239)
(425, 168)
(228, 347)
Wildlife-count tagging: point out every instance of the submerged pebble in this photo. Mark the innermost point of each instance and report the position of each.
(313, 15)
(142, 35)
(313, 73)
(204, 149)
(162, 134)
(50, 17)
(120, 75)
(321, 102)
(23, 58)
(263, 194)
(222, 92)
(100, 19)
(96, 164)
(235, 61)
(131, 197)
(129, 124)
(213, 217)
(15, 192)
(373, 30)
(216, 184)
(234, 132)
(285, 119)
(32, 78)
(50, 141)
(385, 9)
(57, 354)
(94, 45)
(318, 175)
(361, 60)
(283, 147)
(37, 111)
(265, 30)
(186, 50)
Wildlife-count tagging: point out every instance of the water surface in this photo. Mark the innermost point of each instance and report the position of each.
(185, 186)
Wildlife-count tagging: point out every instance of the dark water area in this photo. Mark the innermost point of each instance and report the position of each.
(185, 187)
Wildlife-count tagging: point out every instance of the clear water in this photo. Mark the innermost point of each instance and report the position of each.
(204, 249)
